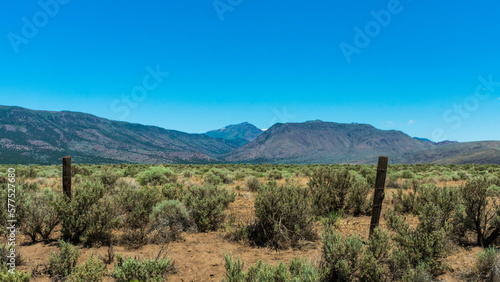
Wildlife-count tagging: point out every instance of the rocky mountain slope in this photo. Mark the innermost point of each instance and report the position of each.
(43, 137)
(28, 136)
(326, 142)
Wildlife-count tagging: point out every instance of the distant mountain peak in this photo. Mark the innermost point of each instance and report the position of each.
(444, 142)
(240, 133)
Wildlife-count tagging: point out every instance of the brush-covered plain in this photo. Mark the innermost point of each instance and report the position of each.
(240, 222)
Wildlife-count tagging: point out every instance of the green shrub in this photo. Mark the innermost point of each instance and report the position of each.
(463, 175)
(253, 184)
(346, 259)
(217, 176)
(392, 182)
(132, 170)
(332, 220)
(104, 217)
(18, 276)
(275, 175)
(20, 206)
(341, 258)
(172, 191)
(406, 174)
(92, 270)
(419, 273)
(265, 272)
(407, 202)
(480, 210)
(171, 216)
(486, 261)
(369, 174)
(4, 215)
(455, 177)
(89, 216)
(240, 175)
(187, 174)
(212, 178)
(26, 171)
(329, 190)
(80, 169)
(298, 270)
(425, 244)
(5, 253)
(75, 213)
(207, 205)
(375, 257)
(122, 184)
(30, 187)
(130, 269)
(156, 176)
(304, 270)
(108, 176)
(284, 216)
(379, 244)
(445, 177)
(357, 199)
(414, 200)
(137, 204)
(445, 198)
(234, 269)
(49, 173)
(61, 264)
(42, 219)
(262, 271)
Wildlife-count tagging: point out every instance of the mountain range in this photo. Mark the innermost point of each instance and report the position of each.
(44, 137)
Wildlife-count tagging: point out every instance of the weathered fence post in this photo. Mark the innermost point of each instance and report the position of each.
(67, 176)
(378, 195)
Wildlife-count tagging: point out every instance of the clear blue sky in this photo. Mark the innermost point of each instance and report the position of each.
(259, 61)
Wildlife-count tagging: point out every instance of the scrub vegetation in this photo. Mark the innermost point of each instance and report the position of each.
(431, 213)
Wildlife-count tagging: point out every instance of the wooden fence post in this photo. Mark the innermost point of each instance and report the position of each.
(378, 196)
(67, 176)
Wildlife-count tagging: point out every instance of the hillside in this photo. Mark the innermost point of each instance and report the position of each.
(485, 152)
(326, 142)
(43, 137)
